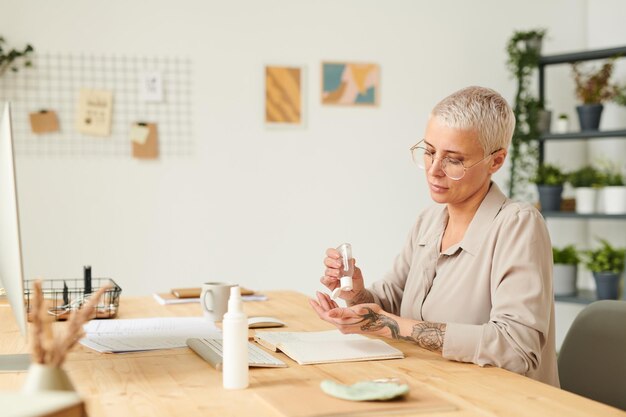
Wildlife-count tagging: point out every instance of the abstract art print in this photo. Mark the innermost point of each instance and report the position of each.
(351, 84)
(283, 95)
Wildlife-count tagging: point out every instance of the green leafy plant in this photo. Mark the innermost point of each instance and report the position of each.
(524, 51)
(587, 176)
(605, 259)
(567, 255)
(620, 96)
(548, 174)
(10, 58)
(593, 86)
(611, 174)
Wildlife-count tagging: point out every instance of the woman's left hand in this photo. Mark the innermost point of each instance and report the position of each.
(361, 318)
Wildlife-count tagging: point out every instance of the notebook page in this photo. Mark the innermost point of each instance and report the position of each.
(327, 346)
(306, 353)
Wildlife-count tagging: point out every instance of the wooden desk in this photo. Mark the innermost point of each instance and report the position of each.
(178, 383)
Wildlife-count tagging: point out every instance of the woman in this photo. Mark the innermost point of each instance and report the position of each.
(474, 280)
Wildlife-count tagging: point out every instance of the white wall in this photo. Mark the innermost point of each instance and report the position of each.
(260, 206)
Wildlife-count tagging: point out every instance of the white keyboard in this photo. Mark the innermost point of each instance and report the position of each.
(211, 351)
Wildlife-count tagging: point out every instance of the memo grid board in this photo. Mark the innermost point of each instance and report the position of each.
(54, 82)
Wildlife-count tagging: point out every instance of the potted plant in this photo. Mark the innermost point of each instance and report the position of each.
(606, 264)
(549, 179)
(524, 51)
(593, 88)
(10, 58)
(586, 182)
(562, 123)
(565, 262)
(544, 119)
(614, 193)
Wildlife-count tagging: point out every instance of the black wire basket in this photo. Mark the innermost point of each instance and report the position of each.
(63, 296)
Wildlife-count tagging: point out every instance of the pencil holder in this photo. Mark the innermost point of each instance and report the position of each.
(46, 378)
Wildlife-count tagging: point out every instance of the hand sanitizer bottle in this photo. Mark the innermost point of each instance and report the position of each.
(235, 344)
(347, 270)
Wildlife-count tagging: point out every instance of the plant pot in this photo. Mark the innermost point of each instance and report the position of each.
(564, 280)
(589, 116)
(534, 44)
(607, 284)
(614, 199)
(586, 200)
(544, 120)
(46, 378)
(562, 126)
(550, 197)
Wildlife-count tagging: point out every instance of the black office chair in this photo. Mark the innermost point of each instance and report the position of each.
(592, 361)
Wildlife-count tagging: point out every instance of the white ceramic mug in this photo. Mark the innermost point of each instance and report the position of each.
(214, 299)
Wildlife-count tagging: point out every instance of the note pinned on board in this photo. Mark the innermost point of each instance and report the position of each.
(44, 121)
(95, 109)
(139, 133)
(149, 149)
(150, 87)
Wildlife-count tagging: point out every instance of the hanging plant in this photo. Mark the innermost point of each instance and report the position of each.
(524, 51)
(9, 59)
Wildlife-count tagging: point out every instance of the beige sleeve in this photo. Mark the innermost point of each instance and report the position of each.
(521, 291)
(388, 291)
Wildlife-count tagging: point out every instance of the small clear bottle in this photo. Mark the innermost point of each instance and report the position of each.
(235, 343)
(347, 269)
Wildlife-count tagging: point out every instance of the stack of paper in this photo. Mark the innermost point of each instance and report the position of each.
(132, 335)
(327, 347)
(168, 298)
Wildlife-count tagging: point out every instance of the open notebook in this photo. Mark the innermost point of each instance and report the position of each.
(326, 347)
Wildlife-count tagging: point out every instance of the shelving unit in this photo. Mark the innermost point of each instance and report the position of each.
(574, 215)
(583, 135)
(584, 296)
(568, 59)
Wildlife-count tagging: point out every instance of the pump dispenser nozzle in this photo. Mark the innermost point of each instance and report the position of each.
(234, 302)
(347, 270)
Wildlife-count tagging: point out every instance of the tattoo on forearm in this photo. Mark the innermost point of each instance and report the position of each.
(363, 297)
(426, 334)
(374, 322)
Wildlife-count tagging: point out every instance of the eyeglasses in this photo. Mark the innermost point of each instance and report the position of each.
(453, 168)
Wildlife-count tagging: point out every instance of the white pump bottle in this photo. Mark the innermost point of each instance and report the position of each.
(235, 344)
(347, 270)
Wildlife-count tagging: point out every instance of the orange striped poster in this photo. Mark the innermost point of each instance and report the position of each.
(283, 95)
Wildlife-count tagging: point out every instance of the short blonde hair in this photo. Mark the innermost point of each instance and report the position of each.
(482, 110)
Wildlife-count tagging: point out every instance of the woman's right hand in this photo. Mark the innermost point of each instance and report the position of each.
(334, 265)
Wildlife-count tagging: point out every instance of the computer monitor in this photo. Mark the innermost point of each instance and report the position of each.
(11, 268)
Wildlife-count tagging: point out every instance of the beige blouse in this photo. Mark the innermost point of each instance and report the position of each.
(493, 289)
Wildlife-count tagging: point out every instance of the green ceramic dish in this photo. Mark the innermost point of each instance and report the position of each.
(364, 391)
